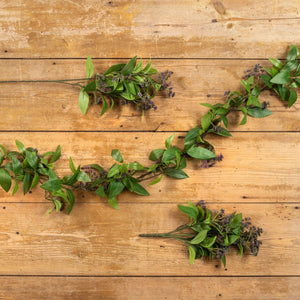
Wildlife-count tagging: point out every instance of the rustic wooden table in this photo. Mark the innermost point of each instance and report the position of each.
(95, 253)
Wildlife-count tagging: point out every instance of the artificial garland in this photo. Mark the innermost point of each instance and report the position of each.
(30, 167)
(212, 234)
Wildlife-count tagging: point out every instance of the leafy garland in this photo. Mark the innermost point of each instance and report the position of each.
(212, 234)
(31, 168)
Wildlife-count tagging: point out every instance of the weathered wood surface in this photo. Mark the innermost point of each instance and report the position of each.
(258, 167)
(96, 240)
(208, 45)
(51, 106)
(159, 288)
(207, 29)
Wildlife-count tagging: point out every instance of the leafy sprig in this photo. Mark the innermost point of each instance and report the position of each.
(124, 83)
(213, 234)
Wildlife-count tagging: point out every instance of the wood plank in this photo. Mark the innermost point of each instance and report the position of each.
(97, 240)
(117, 288)
(222, 29)
(257, 167)
(50, 106)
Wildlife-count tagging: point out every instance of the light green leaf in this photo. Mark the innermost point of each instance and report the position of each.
(114, 189)
(56, 154)
(169, 141)
(16, 187)
(293, 53)
(35, 180)
(257, 112)
(188, 211)
(200, 153)
(282, 77)
(83, 101)
(113, 203)
(129, 67)
(89, 67)
(116, 155)
(199, 237)
(5, 180)
(192, 254)
(71, 165)
(156, 180)
(205, 121)
(82, 176)
(20, 146)
(276, 63)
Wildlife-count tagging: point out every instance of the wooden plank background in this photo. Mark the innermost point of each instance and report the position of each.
(95, 253)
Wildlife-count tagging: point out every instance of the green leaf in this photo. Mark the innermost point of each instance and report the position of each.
(100, 192)
(291, 66)
(71, 165)
(208, 242)
(252, 100)
(89, 67)
(5, 180)
(283, 92)
(169, 154)
(175, 173)
(188, 211)
(20, 146)
(129, 67)
(83, 101)
(104, 107)
(293, 53)
(207, 105)
(3, 149)
(147, 68)
(192, 254)
(138, 68)
(138, 189)
(246, 85)
(292, 98)
(135, 166)
(16, 166)
(114, 170)
(232, 238)
(200, 153)
(114, 68)
(71, 201)
(27, 183)
(169, 141)
(192, 134)
(32, 159)
(200, 237)
(91, 87)
(276, 63)
(156, 154)
(225, 120)
(52, 185)
(223, 259)
(16, 187)
(222, 131)
(266, 79)
(297, 73)
(116, 155)
(56, 155)
(82, 176)
(35, 180)
(156, 180)
(282, 77)
(113, 203)
(205, 121)
(257, 112)
(114, 189)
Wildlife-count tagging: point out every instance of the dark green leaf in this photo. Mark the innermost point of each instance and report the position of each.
(283, 92)
(116, 155)
(290, 66)
(266, 79)
(104, 107)
(20, 146)
(71, 200)
(16, 187)
(200, 153)
(16, 166)
(156, 154)
(129, 67)
(192, 134)
(138, 189)
(201, 236)
(182, 163)
(169, 154)
(91, 87)
(32, 159)
(89, 67)
(222, 131)
(83, 101)
(223, 259)
(3, 149)
(257, 112)
(246, 85)
(96, 167)
(282, 77)
(35, 180)
(225, 120)
(27, 183)
(292, 98)
(5, 180)
(114, 189)
(175, 173)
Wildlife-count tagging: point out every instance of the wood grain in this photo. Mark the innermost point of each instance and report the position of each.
(206, 29)
(50, 106)
(257, 167)
(97, 240)
(160, 288)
